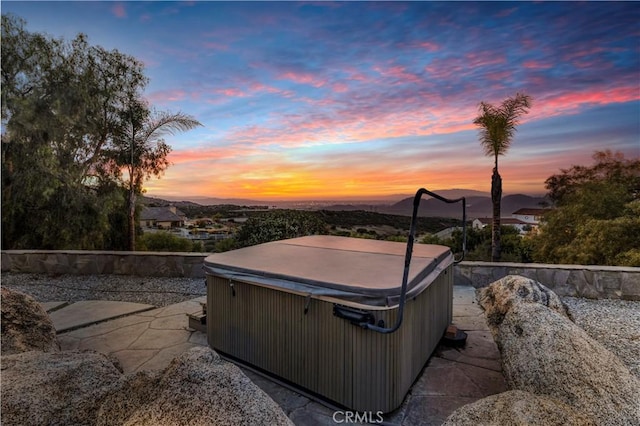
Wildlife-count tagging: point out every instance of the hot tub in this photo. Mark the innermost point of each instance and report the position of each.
(299, 309)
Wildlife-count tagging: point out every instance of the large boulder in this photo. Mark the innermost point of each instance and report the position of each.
(545, 353)
(25, 325)
(517, 408)
(64, 388)
(86, 388)
(197, 388)
(502, 295)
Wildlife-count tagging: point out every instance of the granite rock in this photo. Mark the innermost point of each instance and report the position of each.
(545, 353)
(517, 408)
(500, 296)
(25, 325)
(47, 388)
(197, 388)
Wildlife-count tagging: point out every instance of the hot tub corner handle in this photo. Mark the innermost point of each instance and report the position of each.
(409, 251)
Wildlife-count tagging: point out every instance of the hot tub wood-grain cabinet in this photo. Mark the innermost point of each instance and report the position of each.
(292, 309)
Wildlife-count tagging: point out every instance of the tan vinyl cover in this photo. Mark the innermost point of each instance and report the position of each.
(357, 270)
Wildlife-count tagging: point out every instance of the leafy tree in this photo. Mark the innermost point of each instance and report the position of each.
(279, 225)
(596, 219)
(497, 128)
(58, 111)
(66, 109)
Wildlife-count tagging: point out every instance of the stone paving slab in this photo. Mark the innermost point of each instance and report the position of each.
(143, 340)
(88, 312)
(453, 377)
(53, 306)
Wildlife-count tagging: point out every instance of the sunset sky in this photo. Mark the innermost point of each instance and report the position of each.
(310, 100)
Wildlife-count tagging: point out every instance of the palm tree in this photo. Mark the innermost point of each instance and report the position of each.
(148, 151)
(497, 128)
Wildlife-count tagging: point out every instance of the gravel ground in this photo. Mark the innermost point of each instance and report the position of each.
(613, 323)
(156, 291)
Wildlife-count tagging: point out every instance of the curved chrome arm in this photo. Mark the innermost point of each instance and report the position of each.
(409, 252)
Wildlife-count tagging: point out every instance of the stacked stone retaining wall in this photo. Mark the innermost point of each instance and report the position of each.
(594, 282)
(78, 262)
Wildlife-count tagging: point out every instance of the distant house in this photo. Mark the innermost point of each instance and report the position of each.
(520, 225)
(162, 217)
(522, 219)
(530, 216)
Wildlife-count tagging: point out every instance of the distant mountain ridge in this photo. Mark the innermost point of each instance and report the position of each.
(478, 204)
(212, 201)
(346, 201)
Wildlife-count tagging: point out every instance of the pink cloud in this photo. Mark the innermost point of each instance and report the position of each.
(339, 87)
(302, 78)
(498, 75)
(209, 154)
(232, 92)
(215, 46)
(505, 13)
(322, 102)
(119, 10)
(571, 102)
(536, 65)
(483, 59)
(528, 43)
(355, 74)
(429, 46)
(260, 87)
(399, 73)
(352, 124)
(579, 54)
(165, 96)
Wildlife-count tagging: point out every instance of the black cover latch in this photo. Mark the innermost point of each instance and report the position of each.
(355, 316)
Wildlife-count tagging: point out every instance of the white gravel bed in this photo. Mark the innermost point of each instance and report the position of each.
(613, 323)
(156, 291)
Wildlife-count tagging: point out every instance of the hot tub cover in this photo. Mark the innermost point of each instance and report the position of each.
(349, 269)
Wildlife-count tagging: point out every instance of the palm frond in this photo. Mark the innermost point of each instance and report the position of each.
(498, 124)
(163, 123)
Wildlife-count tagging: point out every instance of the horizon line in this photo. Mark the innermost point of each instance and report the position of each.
(337, 198)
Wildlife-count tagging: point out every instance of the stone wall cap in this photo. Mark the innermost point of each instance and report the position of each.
(107, 252)
(549, 266)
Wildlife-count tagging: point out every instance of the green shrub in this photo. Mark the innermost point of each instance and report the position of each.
(279, 225)
(165, 241)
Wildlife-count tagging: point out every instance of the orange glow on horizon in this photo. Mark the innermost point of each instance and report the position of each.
(274, 184)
